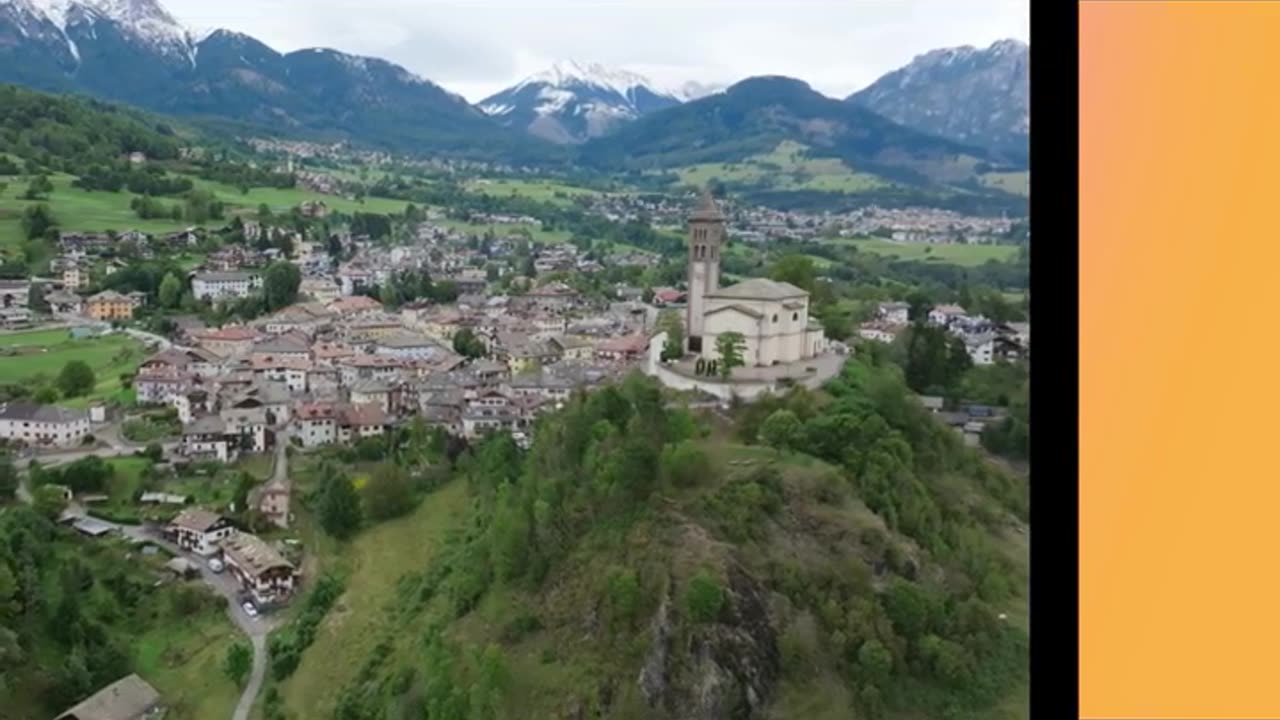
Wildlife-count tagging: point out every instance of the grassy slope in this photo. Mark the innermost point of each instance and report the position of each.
(82, 210)
(184, 663)
(1018, 183)
(374, 561)
(541, 190)
(107, 355)
(966, 255)
(560, 666)
(784, 168)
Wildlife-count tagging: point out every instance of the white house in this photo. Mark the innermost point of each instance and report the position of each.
(199, 531)
(944, 315)
(223, 285)
(898, 313)
(880, 331)
(316, 424)
(981, 348)
(207, 438)
(43, 424)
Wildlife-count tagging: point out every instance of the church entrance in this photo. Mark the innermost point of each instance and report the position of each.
(695, 345)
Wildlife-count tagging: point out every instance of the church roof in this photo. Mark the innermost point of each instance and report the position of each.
(738, 308)
(758, 289)
(707, 209)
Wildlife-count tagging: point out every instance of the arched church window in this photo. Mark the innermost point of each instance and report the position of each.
(775, 317)
(795, 316)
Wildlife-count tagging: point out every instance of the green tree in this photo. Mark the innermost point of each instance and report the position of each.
(39, 187)
(910, 607)
(919, 305)
(388, 493)
(76, 378)
(492, 680)
(875, 660)
(622, 595)
(703, 598)
(49, 501)
(8, 478)
(339, 508)
(669, 322)
(170, 291)
(782, 431)
(684, 464)
(730, 347)
(797, 270)
(9, 604)
(237, 663)
(466, 343)
(280, 285)
(46, 395)
(958, 362)
(37, 221)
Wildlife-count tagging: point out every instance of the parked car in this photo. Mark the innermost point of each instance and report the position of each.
(250, 610)
(215, 565)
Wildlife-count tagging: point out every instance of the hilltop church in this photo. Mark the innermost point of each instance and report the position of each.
(772, 316)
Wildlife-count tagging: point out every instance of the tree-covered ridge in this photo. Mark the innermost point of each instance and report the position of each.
(67, 132)
(639, 562)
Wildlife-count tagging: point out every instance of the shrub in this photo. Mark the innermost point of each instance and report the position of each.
(685, 465)
(704, 598)
(622, 595)
(522, 625)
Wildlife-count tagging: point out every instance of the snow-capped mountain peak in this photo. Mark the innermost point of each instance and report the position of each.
(574, 72)
(573, 100)
(145, 20)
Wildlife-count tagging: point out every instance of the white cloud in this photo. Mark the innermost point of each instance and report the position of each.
(476, 47)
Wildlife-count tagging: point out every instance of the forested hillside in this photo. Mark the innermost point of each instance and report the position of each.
(64, 133)
(824, 555)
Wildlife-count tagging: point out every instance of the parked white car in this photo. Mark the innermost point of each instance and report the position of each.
(215, 565)
(250, 610)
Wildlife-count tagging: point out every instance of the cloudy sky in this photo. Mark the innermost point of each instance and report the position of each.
(477, 47)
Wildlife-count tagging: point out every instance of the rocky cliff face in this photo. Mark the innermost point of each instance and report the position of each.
(723, 670)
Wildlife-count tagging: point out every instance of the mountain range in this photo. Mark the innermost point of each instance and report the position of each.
(574, 101)
(976, 96)
(953, 102)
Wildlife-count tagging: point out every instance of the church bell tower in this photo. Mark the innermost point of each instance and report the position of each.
(706, 237)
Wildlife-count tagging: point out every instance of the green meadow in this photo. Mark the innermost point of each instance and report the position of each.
(96, 211)
(966, 255)
(786, 167)
(540, 190)
(38, 357)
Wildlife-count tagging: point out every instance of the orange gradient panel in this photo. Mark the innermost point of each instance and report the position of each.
(1179, 359)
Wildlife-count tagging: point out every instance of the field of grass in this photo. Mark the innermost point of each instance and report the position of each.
(184, 663)
(83, 210)
(1018, 183)
(279, 199)
(966, 255)
(373, 563)
(541, 190)
(41, 355)
(75, 209)
(786, 167)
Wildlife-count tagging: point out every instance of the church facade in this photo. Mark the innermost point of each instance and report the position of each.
(772, 317)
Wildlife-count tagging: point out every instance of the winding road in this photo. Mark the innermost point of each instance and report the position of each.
(257, 628)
